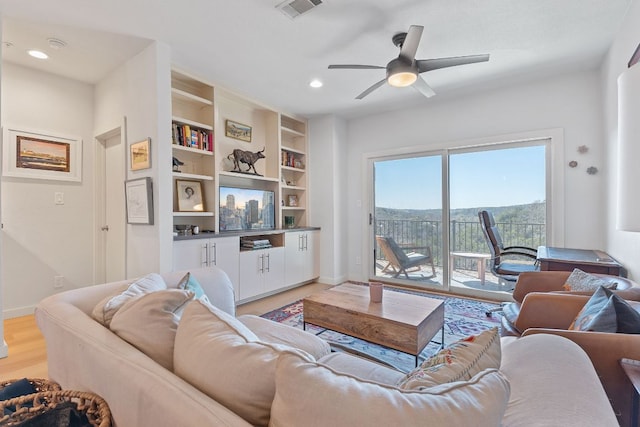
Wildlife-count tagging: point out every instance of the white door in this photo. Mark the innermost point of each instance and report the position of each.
(110, 202)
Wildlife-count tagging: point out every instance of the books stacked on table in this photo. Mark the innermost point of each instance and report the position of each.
(249, 243)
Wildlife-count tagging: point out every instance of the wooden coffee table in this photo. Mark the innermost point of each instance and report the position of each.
(404, 322)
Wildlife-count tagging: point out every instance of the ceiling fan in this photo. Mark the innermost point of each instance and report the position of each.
(405, 69)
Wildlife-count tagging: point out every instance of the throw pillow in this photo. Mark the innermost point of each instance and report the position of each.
(190, 283)
(149, 323)
(103, 311)
(311, 394)
(607, 312)
(579, 281)
(459, 361)
(220, 356)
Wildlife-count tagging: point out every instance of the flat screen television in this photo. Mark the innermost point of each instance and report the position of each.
(246, 209)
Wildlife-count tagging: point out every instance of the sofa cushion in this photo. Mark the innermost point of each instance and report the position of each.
(459, 361)
(277, 333)
(580, 281)
(220, 356)
(607, 312)
(311, 394)
(104, 311)
(190, 283)
(150, 322)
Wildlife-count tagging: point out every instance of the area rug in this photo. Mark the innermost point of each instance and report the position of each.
(463, 317)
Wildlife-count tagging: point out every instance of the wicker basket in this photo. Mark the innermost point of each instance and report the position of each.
(91, 405)
(39, 384)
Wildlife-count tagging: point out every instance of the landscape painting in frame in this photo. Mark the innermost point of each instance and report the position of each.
(41, 155)
(238, 131)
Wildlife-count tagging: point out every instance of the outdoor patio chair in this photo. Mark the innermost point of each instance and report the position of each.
(398, 261)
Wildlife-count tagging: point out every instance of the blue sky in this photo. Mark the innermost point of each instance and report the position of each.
(503, 177)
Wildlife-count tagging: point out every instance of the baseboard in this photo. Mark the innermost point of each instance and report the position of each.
(4, 349)
(18, 312)
(332, 280)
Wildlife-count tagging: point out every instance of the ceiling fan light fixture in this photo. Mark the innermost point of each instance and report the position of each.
(402, 79)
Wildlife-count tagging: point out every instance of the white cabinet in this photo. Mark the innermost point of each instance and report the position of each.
(301, 250)
(261, 272)
(222, 252)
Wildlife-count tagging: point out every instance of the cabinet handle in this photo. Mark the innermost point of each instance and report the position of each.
(204, 253)
(300, 243)
(214, 252)
(268, 262)
(306, 241)
(261, 263)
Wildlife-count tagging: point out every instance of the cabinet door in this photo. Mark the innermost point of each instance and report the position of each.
(189, 254)
(294, 258)
(274, 269)
(252, 265)
(311, 254)
(225, 254)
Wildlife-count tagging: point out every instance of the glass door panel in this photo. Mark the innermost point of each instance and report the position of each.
(407, 220)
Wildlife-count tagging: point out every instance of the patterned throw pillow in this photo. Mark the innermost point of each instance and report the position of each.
(607, 312)
(458, 362)
(189, 283)
(579, 281)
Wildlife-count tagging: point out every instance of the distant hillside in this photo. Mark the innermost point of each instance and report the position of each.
(532, 213)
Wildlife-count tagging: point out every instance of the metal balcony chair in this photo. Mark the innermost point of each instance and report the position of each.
(502, 258)
(399, 262)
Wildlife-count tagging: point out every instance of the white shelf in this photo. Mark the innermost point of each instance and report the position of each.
(292, 208)
(192, 176)
(188, 214)
(248, 176)
(293, 187)
(191, 123)
(289, 168)
(192, 150)
(186, 96)
(293, 150)
(291, 131)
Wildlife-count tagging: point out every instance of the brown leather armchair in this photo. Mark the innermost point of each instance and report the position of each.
(552, 313)
(552, 281)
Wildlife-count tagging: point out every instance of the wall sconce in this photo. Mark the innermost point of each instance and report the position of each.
(628, 217)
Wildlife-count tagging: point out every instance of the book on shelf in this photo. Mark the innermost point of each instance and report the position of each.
(187, 136)
(251, 243)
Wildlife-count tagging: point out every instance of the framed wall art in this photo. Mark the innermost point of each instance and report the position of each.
(237, 130)
(189, 194)
(29, 153)
(139, 199)
(140, 154)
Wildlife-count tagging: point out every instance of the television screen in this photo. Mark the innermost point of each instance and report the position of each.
(246, 209)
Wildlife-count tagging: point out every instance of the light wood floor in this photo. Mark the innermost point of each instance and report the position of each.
(27, 351)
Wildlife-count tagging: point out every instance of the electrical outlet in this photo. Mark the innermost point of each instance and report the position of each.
(58, 198)
(58, 282)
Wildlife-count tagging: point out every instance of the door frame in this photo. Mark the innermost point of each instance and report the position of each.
(554, 185)
(99, 272)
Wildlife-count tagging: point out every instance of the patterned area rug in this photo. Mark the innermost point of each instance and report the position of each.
(463, 317)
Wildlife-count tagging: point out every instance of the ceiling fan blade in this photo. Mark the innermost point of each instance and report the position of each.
(410, 44)
(371, 89)
(422, 87)
(434, 64)
(356, 67)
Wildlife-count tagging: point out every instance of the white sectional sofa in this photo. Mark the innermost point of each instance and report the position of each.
(543, 380)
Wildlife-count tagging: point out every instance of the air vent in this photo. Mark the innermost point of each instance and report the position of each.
(295, 8)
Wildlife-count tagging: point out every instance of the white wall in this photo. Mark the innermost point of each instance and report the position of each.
(624, 246)
(328, 189)
(570, 102)
(40, 239)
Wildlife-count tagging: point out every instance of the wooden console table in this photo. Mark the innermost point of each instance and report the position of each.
(565, 259)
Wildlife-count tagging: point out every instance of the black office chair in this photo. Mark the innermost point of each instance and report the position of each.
(506, 269)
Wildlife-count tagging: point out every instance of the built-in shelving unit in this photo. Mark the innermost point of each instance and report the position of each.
(293, 173)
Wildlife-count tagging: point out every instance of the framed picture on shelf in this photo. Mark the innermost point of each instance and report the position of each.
(190, 198)
(41, 155)
(237, 131)
(293, 200)
(141, 155)
(139, 199)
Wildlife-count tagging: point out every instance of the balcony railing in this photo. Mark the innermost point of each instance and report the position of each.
(466, 236)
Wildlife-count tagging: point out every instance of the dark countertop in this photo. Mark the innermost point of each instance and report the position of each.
(212, 235)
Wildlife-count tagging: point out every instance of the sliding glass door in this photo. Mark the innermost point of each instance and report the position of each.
(407, 219)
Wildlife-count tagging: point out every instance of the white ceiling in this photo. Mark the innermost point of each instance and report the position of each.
(252, 48)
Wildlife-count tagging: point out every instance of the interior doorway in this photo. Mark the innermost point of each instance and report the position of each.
(110, 206)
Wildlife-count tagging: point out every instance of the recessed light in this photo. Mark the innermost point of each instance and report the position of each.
(37, 54)
(55, 43)
(316, 83)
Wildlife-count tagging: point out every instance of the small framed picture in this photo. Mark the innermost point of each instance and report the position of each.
(139, 199)
(141, 155)
(190, 198)
(293, 200)
(237, 130)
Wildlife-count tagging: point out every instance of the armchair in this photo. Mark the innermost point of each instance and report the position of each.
(552, 313)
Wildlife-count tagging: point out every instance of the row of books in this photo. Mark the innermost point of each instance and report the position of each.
(249, 243)
(187, 136)
(289, 159)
